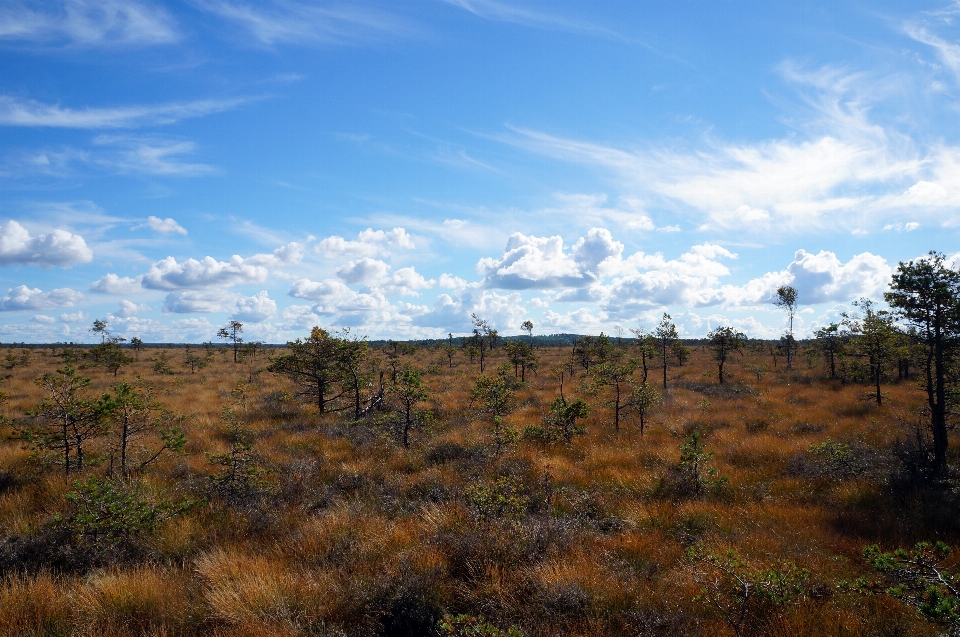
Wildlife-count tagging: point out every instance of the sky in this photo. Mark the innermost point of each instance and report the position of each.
(394, 167)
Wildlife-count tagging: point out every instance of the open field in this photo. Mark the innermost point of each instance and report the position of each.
(341, 530)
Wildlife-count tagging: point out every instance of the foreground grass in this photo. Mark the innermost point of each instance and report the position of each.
(348, 533)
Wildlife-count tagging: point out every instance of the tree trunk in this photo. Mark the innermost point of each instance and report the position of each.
(876, 377)
(66, 447)
(616, 410)
(664, 367)
(124, 433)
(357, 409)
(939, 409)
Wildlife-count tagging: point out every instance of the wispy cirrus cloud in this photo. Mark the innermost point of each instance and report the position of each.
(516, 13)
(151, 155)
(87, 23)
(841, 171)
(923, 28)
(18, 112)
(121, 154)
(286, 22)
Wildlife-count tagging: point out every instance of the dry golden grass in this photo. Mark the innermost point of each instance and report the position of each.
(356, 535)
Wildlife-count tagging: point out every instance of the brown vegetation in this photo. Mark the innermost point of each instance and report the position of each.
(276, 519)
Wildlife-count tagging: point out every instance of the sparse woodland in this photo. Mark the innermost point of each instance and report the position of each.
(333, 487)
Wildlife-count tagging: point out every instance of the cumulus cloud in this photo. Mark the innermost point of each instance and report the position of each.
(409, 282)
(300, 317)
(58, 248)
(114, 284)
(256, 308)
(24, 298)
(365, 271)
(693, 281)
(369, 243)
(644, 281)
(169, 274)
(74, 317)
(642, 222)
(200, 301)
(128, 309)
(542, 262)
(289, 254)
(43, 318)
(163, 226)
(452, 311)
(821, 277)
(334, 297)
(450, 282)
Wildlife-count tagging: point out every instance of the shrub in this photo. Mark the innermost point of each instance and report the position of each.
(108, 517)
(499, 500)
(693, 475)
(473, 626)
(917, 577)
(744, 596)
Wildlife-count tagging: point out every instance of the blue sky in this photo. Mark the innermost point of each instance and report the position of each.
(395, 167)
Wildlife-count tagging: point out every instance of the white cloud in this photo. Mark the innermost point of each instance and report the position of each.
(335, 297)
(256, 308)
(451, 312)
(642, 222)
(289, 254)
(150, 155)
(43, 318)
(581, 320)
(842, 171)
(24, 298)
(450, 282)
(85, 23)
(542, 263)
(409, 282)
(201, 301)
(163, 226)
(56, 248)
(365, 271)
(515, 13)
(114, 284)
(910, 226)
(17, 112)
(129, 309)
(821, 277)
(74, 317)
(169, 274)
(694, 281)
(642, 282)
(294, 22)
(369, 243)
(300, 317)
